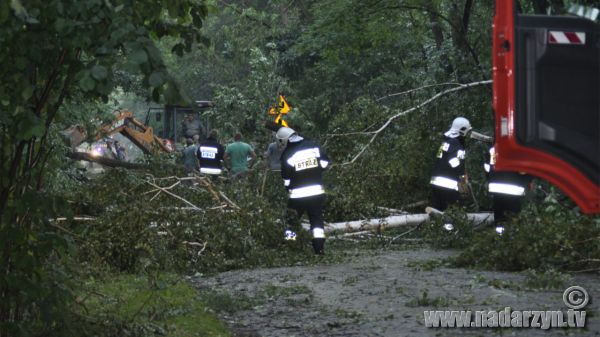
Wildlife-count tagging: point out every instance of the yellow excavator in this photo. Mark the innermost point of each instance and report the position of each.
(137, 132)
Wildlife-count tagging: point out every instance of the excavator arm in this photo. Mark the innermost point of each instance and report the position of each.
(137, 132)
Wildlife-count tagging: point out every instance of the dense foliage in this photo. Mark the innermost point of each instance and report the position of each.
(345, 66)
(55, 52)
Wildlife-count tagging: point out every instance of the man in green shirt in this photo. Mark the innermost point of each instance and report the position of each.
(236, 157)
(190, 162)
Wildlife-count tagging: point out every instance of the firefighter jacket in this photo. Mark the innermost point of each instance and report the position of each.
(449, 164)
(302, 164)
(506, 183)
(210, 154)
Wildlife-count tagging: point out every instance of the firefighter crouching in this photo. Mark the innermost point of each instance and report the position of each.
(210, 155)
(448, 174)
(302, 164)
(506, 188)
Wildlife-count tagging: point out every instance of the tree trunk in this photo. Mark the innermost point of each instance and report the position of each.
(105, 161)
(396, 221)
(438, 37)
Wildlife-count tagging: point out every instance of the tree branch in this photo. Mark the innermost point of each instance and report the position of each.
(245, 15)
(466, 15)
(105, 161)
(457, 27)
(417, 89)
(174, 195)
(424, 103)
(48, 88)
(12, 174)
(52, 113)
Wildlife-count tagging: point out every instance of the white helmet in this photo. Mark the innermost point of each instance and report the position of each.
(460, 127)
(283, 135)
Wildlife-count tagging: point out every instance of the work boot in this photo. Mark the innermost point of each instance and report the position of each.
(319, 246)
(290, 235)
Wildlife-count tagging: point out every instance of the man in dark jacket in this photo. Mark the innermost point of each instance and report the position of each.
(210, 155)
(302, 165)
(449, 168)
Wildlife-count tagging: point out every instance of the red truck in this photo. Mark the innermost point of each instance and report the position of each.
(546, 76)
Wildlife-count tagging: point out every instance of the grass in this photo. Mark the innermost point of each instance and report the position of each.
(548, 279)
(165, 305)
(225, 302)
(428, 265)
(272, 291)
(425, 301)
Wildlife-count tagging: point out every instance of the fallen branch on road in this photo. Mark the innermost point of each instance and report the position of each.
(201, 181)
(229, 201)
(105, 161)
(161, 189)
(405, 233)
(196, 244)
(395, 221)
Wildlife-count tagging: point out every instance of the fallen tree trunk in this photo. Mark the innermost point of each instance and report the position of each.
(395, 221)
(105, 161)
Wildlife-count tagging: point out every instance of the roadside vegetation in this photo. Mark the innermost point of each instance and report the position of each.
(107, 255)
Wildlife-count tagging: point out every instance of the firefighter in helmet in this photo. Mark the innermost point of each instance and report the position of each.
(506, 188)
(448, 178)
(302, 164)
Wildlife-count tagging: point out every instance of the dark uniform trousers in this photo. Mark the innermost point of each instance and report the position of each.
(444, 197)
(313, 206)
(505, 204)
(507, 189)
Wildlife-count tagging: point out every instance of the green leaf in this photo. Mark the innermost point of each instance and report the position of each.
(178, 49)
(87, 83)
(139, 56)
(34, 131)
(27, 92)
(171, 94)
(155, 54)
(197, 17)
(18, 8)
(156, 79)
(104, 88)
(99, 72)
(101, 51)
(156, 95)
(29, 126)
(60, 24)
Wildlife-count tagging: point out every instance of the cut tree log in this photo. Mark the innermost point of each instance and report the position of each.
(395, 221)
(105, 161)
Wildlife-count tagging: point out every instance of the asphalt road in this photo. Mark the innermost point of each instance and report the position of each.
(384, 294)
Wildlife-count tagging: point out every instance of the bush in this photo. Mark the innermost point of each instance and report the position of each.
(134, 231)
(543, 236)
(460, 236)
